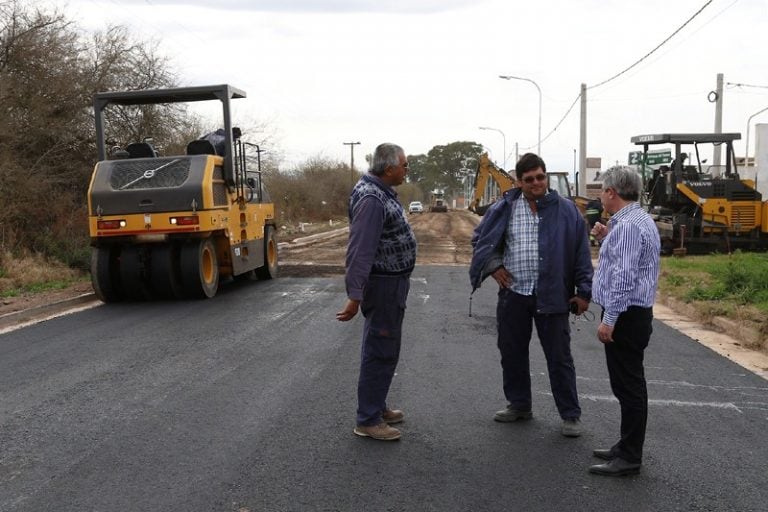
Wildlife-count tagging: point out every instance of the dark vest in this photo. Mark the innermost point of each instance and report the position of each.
(396, 253)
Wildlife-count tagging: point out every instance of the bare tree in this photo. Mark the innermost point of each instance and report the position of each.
(48, 75)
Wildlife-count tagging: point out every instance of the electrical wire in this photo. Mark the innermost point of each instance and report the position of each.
(682, 39)
(746, 85)
(654, 50)
(623, 71)
(558, 123)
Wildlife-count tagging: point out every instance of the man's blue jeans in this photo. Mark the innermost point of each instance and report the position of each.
(515, 316)
(383, 306)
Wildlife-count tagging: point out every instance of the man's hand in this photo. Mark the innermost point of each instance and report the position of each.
(349, 311)
(599, 231)
(503, 277)
(605, 333)
(581, 304)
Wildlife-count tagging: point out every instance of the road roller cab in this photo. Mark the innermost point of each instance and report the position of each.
(174, 226)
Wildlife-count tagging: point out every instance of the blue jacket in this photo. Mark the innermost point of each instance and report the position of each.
(565, 263)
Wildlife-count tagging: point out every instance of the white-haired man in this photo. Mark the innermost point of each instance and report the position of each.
(625, 286)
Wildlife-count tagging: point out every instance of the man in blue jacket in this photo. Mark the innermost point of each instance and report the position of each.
(535, 245)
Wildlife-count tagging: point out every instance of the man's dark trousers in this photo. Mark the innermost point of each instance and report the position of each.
(383, 307)
(515, 315)
(625, 368)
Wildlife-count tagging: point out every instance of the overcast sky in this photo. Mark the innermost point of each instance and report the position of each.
(422, 73)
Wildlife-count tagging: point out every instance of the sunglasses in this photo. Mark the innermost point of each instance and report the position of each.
(531, 179)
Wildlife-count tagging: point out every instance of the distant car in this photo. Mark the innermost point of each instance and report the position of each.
(415, 207)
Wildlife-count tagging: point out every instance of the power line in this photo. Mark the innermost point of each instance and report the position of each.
(654, 50)
(747, 85)
(625, 70)
(558, 123)
(686, 37)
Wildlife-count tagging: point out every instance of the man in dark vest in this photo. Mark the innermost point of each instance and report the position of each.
(380, 257)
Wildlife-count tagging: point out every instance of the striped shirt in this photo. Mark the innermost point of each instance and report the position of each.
(628, 267)
(521, 251)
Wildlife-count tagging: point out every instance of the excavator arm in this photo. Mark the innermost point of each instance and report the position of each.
(486, 170)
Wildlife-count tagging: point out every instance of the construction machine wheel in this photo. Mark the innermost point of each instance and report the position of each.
(199, 269)
(164, 272)
(269, 270)
(105, 275)
(132, 272)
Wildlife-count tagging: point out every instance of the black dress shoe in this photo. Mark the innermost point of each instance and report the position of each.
(604, 454)
(615, 467)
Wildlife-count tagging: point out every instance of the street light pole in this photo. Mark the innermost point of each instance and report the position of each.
(504, 139)
(510, 77)
(351, 160)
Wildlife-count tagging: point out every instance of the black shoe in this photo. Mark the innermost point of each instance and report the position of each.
(615, 467)
(509, 415)
(604, 454)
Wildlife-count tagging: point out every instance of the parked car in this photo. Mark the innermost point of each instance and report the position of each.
(415, 207)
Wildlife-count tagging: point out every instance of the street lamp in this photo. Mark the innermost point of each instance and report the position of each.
(510, 77)
(504, 138)
(746, 142)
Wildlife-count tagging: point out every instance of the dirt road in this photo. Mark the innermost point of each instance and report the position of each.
(443, 240)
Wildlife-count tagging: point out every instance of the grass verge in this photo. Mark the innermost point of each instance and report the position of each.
(31, 273)
(734, 286)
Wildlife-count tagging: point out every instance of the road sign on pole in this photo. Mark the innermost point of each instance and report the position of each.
(657, 157)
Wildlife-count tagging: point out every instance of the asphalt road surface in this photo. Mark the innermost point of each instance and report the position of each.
(247, 402)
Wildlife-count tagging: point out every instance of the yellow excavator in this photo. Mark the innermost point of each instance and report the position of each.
(491, 182)
(488, 176)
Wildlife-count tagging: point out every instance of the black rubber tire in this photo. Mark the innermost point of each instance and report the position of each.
(270, 268)
(132, 273)
(105, 276)
(199, 269)
(165, 278)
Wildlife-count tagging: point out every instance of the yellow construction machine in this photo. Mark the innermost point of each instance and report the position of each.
(698, 208)
(437, 201)
(173, 226)
(491, 182)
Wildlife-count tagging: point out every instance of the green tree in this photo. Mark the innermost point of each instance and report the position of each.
(443, 167)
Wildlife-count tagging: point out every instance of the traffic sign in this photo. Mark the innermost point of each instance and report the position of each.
(658, 157)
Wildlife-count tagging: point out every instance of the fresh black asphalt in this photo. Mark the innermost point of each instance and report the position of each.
(246, 403)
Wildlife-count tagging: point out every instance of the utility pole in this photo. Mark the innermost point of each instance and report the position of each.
(351, 161)
(575, 174)
(583, 141)
(718, 117)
